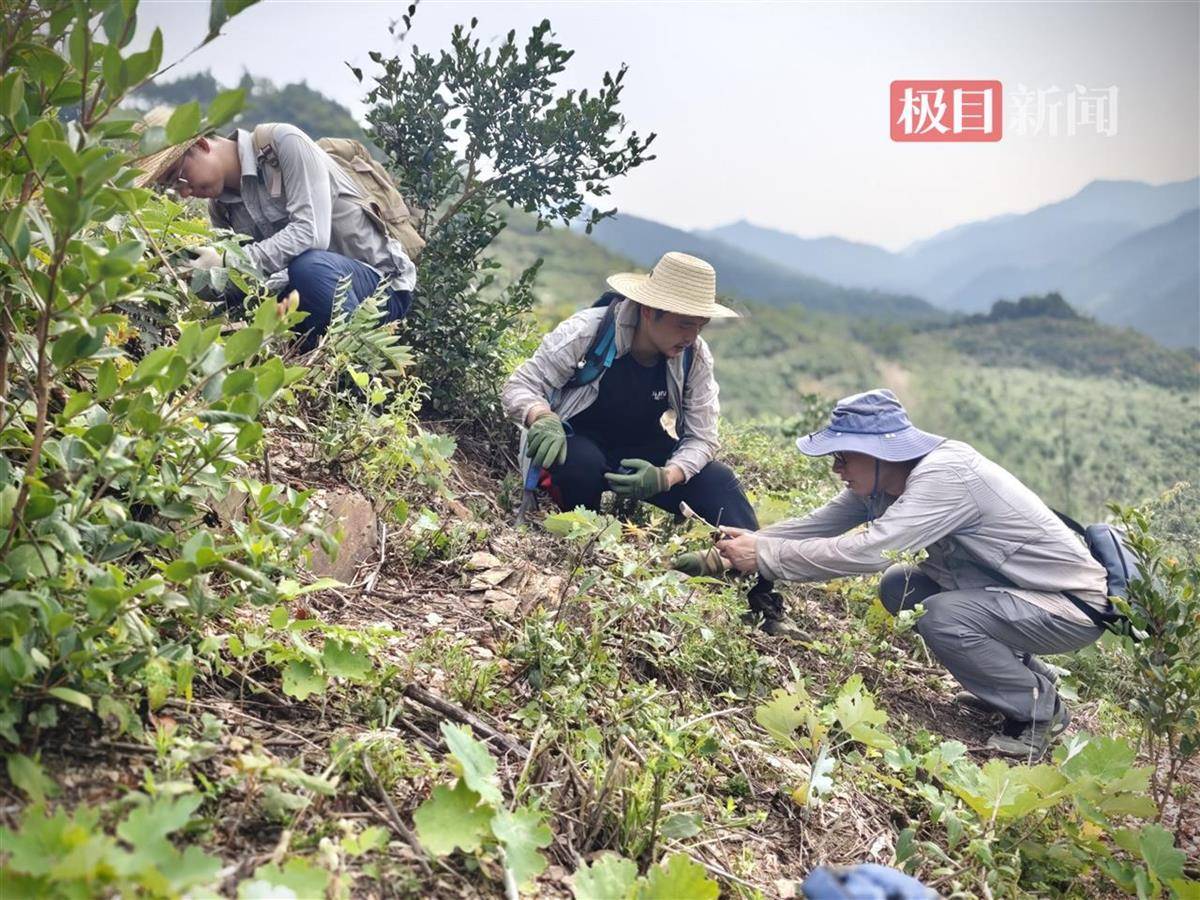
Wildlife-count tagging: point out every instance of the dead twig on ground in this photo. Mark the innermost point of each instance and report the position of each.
(395, 820)
(460, 715)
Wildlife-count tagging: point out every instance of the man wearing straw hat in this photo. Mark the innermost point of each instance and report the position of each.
(1004, 579)
(607, 434)
(307, 219)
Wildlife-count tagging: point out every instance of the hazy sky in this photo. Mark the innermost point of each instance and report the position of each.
(778, 112)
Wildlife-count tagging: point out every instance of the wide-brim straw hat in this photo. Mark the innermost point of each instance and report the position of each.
(875, 423)
(155, 165)
(679, 283)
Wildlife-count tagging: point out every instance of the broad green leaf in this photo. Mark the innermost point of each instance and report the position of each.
(995, 790)
(1103, 758)
(67, 695)
(680, 825)
(301, 679)
(473, 762)
(609, 877)
(1157, 847)
(28, 775)
(523, 834)
(452, 817)
(32, 562)
(242, 345)
(8, 501)
(1184, 889)
(225, 106)
(678, 877)
(942, 757)
(184, 122)
(857, 714)
(343, 661)
(372, 838)
(41, 841)
(784, 713)
(149, 823)
(180, 570)
(191, 868)
(106, 380)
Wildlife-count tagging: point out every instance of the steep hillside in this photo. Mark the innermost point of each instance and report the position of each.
(1074, 345)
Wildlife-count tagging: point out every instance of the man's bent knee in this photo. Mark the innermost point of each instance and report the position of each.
(895, 589)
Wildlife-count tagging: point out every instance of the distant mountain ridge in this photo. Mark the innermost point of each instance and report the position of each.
(1062, 246)
(751, 276)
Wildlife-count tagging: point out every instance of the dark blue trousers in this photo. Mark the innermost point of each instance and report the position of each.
(713, 492)
(315, 274)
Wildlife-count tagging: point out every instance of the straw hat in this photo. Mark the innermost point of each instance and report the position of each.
(157, 164)
(679, 283)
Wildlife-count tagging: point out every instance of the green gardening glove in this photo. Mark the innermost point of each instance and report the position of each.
(646, 480)
(546, 442)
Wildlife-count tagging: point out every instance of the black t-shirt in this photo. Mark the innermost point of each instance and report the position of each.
(629, 408)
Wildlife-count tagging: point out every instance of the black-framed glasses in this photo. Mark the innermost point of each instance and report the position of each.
(839, 458)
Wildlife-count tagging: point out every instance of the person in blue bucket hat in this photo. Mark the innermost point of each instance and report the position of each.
(998, 569)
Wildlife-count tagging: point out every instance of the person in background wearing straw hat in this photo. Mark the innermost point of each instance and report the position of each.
(607, 434)
(299, 206)
(1004, 578)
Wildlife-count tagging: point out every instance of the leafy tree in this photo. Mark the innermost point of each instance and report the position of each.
(471, 132)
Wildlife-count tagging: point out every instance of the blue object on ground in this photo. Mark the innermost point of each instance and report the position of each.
(868, 881)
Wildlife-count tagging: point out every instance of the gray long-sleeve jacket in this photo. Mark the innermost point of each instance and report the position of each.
(973, 518)
(310, 207)
(540, 379)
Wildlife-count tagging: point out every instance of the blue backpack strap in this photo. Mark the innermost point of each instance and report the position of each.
(603, 349)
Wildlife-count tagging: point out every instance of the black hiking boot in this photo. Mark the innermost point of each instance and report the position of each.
(1030, 740)
(768, 614)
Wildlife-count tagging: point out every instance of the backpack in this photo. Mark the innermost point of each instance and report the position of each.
(1107, 546)
(380, 200)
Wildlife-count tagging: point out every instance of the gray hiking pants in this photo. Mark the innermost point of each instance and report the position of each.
(987, 639)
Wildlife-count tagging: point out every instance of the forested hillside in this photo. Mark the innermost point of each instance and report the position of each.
(268, 628)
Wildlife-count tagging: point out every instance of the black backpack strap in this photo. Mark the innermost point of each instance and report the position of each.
(1109, 620)
(1106, 620)
(1069, 522)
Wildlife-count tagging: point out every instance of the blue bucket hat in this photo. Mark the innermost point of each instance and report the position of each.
(875, 423)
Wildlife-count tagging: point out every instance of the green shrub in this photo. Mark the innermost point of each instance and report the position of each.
(472, 132)
(1164, 607)
(116, 443)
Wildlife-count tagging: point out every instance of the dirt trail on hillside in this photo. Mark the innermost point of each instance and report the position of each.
(899, 379)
